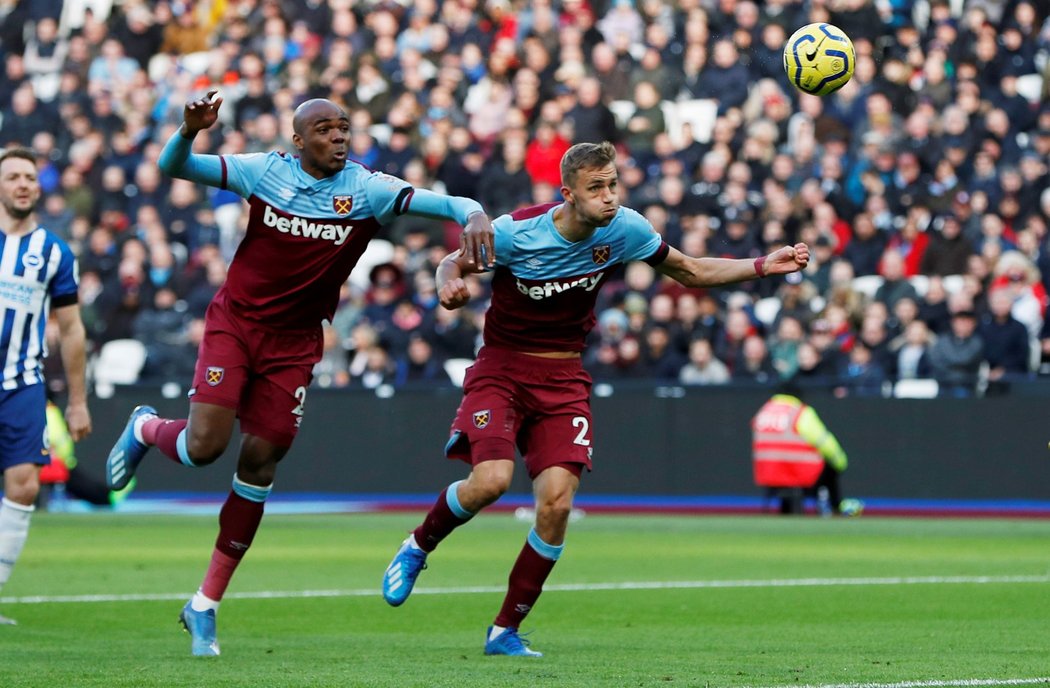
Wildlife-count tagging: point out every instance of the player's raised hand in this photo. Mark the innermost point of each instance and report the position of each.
(787, 259)
(477, 243)
(454, 294)
(201, 113)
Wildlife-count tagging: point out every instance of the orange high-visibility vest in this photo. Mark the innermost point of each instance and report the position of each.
(781, 457)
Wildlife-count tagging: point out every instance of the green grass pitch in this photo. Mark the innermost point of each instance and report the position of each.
(751, 601)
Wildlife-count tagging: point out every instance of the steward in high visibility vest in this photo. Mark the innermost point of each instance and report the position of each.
(64, 471)
(792, 449)
(790, 444)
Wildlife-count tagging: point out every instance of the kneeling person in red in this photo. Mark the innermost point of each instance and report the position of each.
(528, 390)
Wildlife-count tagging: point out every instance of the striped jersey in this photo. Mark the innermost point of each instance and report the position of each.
(304, 235)
(37, 272)
(544, 287)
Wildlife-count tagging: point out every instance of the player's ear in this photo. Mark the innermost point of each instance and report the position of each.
(297, 141)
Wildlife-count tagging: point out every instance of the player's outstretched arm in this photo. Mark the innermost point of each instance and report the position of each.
(713, 272)
(177, 158)
(476, 243)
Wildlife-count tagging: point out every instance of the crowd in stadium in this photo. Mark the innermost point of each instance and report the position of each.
(922, 186)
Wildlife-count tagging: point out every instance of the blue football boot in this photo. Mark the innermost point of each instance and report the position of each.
(401, 575)
(201, 627)
(509, 643)
(126, 454)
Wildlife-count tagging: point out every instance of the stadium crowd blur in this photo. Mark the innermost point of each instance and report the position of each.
(921, 186)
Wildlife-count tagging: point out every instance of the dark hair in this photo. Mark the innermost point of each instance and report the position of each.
(23, 153)
(584, 155)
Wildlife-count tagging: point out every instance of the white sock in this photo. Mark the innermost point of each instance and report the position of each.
(137, 427)
(200, 603)
(496, 630)
(412, 542)
(14, 529)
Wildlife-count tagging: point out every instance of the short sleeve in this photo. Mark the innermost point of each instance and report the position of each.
(63, 286)
(642, 242)
(503, 239)
(241, 173)
(388, 195)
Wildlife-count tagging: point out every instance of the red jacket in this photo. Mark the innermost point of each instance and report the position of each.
(781, 457)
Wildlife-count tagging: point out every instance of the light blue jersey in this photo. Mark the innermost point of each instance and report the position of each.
(544, 288)
(37, 271)
(304, 234)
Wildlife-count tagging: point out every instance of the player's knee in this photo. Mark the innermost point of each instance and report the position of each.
(489, 487)
(24, 492)
(555, 509)
(203, 450)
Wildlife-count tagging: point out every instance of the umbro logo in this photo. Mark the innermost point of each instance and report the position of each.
(286, 194)
(534, 262)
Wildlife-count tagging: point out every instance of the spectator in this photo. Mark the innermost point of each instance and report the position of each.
(660, 360)
(591, 118)
(543, 155)
(724, 78)
(865, 249)
(910, 353)
(895, 284)
(948, 251)
(790, 334)
(139, 34)
(504, 184)
(862, 374)
(1006, 340)
(956, 356)
(418, 365)
(646, 122)
(755, 364)
(703, 368)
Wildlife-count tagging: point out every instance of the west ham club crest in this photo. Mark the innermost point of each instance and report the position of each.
(342, 204)
(482, 418)
(600, 254)
(213, 376)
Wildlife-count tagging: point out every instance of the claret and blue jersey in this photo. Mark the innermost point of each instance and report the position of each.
(304, 234)
(544, 287)
(37, 272)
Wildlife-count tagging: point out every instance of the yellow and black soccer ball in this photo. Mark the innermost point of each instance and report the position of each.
(819, 59)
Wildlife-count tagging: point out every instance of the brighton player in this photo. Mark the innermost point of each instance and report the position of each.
(527, 389)
(310, 218)
(38, 279)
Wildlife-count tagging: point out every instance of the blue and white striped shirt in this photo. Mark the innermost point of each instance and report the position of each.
(37, 271)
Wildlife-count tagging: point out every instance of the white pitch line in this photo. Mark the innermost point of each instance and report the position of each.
(557, 587)
(958, 683)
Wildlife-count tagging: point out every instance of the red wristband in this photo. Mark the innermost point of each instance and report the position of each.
(758, 266)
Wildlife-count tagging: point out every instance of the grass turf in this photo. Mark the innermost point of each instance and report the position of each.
(903, 623)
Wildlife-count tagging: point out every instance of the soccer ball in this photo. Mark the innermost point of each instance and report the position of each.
(819, 59)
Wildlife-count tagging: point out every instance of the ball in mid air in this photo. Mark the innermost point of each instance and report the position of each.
(819, 59)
